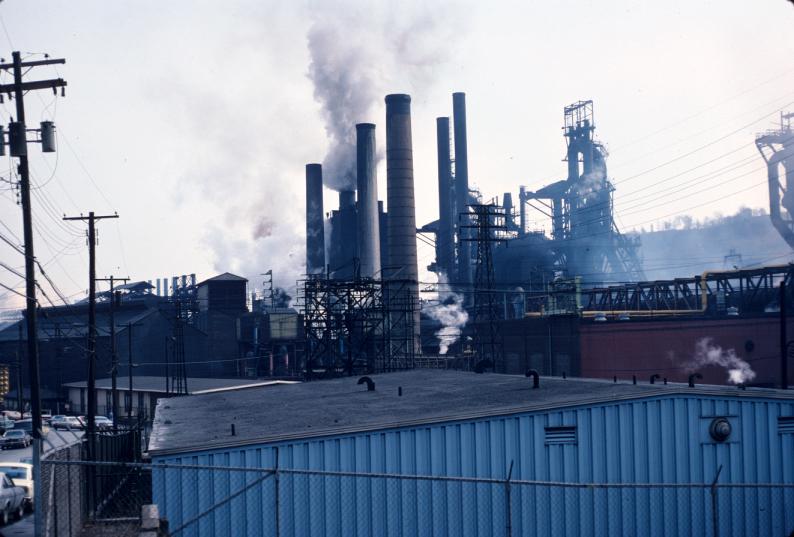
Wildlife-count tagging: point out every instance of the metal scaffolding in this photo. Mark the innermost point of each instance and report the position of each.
(356, 326)
(489, 223)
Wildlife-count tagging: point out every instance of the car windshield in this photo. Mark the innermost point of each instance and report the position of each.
(15, 472)
(14, 434)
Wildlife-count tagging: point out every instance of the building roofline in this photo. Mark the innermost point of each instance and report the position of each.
(649, 392)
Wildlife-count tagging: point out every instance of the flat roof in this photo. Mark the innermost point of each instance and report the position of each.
(195, 385)
(341, 406)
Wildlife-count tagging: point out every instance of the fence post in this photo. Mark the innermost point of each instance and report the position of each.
(715, 519)
(508, 506)
(278, 517)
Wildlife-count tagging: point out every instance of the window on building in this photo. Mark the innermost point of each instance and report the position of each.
(82, 400)
(141, 406)
(108, 403)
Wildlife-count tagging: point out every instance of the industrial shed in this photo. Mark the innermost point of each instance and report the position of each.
(455, 453)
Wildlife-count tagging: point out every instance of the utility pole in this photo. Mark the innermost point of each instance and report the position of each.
(114, 357)
(783, 339)
(20, 395)
(130, 365)
(91, 415)
(18, 143)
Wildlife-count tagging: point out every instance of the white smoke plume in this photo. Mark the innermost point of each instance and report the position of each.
(360, 55)
(708, 353)
(450, 313)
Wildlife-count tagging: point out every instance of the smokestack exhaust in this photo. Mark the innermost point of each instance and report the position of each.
(367, 183)
(315, 232)
(402, 212)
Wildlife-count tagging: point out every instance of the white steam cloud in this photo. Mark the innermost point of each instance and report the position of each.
(360, 55)
(450, 313)
(708, 353)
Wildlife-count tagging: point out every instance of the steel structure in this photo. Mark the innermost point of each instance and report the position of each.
(587, 241)
(182, 310)
(777, 149)
(489, 223)
(356, 326)
(752, 290)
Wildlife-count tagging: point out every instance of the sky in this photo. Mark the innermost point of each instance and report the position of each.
(194, 120)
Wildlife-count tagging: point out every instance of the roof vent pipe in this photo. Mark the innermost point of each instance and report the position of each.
(654, 377)
(369, 382)
(535, 377)
(634, 379)
(692, 378)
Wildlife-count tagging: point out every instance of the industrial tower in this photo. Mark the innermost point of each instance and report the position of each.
(777, 149)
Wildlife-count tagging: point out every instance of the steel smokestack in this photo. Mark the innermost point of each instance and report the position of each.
(402, 213)
(445, 242)
(367, 183)
(315, 232)
(461, 184)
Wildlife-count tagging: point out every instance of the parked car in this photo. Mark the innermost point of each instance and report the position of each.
(25, 424)
(11, 414)
(22, 476)
(66, 422)
(15, 438)
(12, 499)
(103, 423)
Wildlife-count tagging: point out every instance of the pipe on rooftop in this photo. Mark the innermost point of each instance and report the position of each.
(535, 377)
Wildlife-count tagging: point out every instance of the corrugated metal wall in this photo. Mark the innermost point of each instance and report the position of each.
(659, 440)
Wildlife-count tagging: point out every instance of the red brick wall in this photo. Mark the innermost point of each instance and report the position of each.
(644, 347)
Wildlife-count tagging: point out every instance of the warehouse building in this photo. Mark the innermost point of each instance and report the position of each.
(456, 453)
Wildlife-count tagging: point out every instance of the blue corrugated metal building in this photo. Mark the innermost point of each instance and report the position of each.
(583, 457)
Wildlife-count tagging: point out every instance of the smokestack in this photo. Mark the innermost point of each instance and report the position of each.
(344, 233)
(445, 241)
(522, 211)
(462, 184)
(315, 231)
(507, 203)
(367, 182)
(402, 212)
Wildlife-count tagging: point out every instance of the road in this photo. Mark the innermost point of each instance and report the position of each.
(53, 440)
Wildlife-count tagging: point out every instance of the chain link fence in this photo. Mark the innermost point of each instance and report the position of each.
(103, 497)
(211, 500)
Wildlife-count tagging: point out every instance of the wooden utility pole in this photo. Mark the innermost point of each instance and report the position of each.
(91, 414)
(19, 148)
(115, 297)
(18, 135)
(783, 339)
(130, 365)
